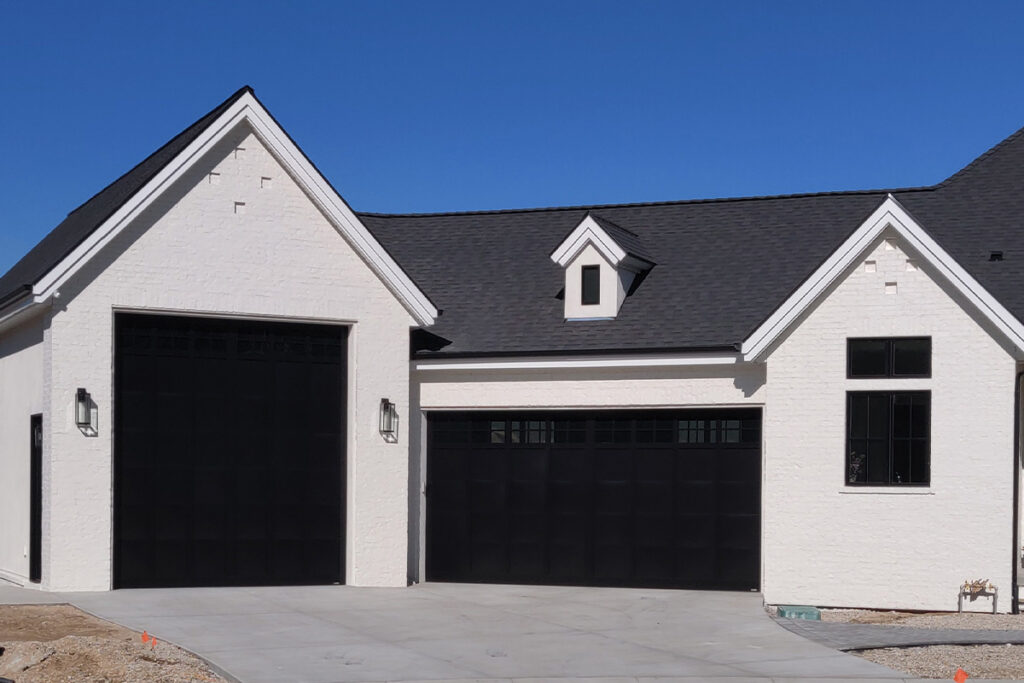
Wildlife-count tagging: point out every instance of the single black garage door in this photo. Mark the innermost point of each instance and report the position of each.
(229, 452)
(651, 498)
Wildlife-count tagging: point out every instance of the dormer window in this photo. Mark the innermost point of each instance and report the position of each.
(590, 285)
(603, 264)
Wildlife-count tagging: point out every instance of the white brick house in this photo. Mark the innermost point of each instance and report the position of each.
(815, 396)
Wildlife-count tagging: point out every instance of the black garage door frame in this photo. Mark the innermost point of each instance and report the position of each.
(313, 357)
(488, 473)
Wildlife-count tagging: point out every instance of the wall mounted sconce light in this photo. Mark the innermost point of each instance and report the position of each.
(86, 413)
(388, 421)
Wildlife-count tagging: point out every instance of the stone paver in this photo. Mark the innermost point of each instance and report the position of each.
(452, 632)
(869, 636)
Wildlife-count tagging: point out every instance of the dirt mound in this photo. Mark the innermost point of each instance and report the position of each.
(61, 643)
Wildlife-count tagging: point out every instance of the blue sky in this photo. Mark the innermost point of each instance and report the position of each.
(434, 106)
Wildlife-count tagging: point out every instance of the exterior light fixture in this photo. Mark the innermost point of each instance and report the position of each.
(86, 413)
(388, 421)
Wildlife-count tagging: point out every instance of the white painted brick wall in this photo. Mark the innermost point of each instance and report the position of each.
(828, 544)
(196, 250)
(21, 396)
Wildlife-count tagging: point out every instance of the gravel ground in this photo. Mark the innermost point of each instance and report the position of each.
(942, 661)
(62, 643)
(972, 620)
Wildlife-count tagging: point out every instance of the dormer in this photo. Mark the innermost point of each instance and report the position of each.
(602, 264)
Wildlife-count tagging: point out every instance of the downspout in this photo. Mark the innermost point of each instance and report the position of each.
(1015, 593)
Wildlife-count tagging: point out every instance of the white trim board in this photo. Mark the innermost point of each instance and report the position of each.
(541, 363)
(248, 109)
(889, 214)
(588, 232)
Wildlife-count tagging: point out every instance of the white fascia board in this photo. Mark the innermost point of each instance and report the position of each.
(588, 232)
(543, 363)
(248, 109)
(890, 214)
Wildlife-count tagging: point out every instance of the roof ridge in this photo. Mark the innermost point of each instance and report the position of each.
(980, 159)
(613, 224)
(626, 205)
(238, 93)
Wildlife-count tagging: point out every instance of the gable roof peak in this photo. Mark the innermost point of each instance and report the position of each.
(88, 228)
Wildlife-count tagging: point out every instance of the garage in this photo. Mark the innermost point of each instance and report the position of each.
(657, 498)
(229, 452)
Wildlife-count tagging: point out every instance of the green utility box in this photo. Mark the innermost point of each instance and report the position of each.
(800, 612)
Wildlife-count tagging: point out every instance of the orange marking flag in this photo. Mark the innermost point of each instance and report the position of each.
(960, 676)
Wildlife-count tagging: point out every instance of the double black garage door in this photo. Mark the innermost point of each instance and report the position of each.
(651, 498)
(229, 455)
(229, 468)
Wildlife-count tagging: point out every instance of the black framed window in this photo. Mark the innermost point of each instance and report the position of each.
(888, 438)
(892, 357)
(591, 286)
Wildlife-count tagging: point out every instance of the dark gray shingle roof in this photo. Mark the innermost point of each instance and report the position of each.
(722, 266)
(629, 241)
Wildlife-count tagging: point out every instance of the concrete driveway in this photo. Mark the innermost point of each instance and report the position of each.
(456, 631)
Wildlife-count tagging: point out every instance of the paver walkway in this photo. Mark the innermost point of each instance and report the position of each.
(444, 632)
(868, 636)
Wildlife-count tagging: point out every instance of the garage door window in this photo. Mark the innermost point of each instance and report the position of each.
(719, 431)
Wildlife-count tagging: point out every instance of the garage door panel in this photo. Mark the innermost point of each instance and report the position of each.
(489, 557)
(215, 447)
(572, 528)
(569, 465)
(526, 559)
(613, 562)
(609, 529)
(695, 497)
(569, 497)
(655, 563)
(737, 531)
(654, 498)
(613, 497)
(738, 497)
(698, 464)
(567, 560)
(655, 466)
(697, 532)
(527, 496)
(700, 569)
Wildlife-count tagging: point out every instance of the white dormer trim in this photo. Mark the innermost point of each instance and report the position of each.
(588, 232)
(249, 110)
(889, 215)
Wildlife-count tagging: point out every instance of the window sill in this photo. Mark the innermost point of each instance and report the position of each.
(889, 490)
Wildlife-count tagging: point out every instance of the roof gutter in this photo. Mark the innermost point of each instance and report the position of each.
(13, 297)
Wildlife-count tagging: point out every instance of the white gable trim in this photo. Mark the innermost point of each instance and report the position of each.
(588, 232)
(248, 109)
(890, 214)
